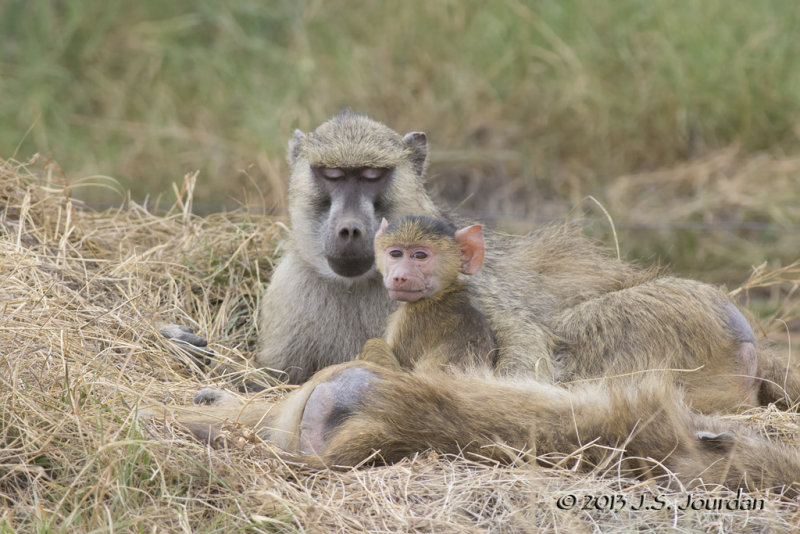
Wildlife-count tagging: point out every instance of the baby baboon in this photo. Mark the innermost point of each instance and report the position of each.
(437, 325)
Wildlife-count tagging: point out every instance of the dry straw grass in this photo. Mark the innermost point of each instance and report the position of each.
(81, 291)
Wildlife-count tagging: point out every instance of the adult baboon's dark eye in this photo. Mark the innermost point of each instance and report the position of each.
(396, 253)
(372, 173)
(332, 173)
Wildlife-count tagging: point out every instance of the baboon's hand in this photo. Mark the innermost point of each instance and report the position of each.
(212, 397)
(187, 342)
(182, 333)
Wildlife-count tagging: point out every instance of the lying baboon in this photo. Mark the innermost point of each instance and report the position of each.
(358, 411)
(562, 312)
(438, 326)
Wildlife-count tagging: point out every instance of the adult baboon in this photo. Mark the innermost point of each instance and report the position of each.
(561, 309)
(326, 298)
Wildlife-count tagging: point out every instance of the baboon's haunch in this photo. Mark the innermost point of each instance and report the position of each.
(562, 312)
(437, 325)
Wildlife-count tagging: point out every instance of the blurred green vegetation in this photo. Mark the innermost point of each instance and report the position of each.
(525, 103)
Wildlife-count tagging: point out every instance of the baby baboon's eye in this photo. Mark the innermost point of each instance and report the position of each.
(372, 173)
(419, 255)
(396, 253)
(332, 173)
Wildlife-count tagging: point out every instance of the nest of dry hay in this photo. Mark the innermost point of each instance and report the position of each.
(81, 293)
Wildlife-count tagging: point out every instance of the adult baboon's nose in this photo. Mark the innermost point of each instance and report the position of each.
(350, 231)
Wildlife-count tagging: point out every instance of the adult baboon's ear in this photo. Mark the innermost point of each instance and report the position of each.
(295, 144)
(470, 239)
(418, 143)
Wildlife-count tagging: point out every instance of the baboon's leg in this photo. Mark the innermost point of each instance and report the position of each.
(682, 327)
(730, 367)
(214, 408)
(399, 414)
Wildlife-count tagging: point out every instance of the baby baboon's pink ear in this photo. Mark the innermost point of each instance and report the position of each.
(384, 226)
(470, 239)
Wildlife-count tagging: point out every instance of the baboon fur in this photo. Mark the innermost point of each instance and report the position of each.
(595, 355)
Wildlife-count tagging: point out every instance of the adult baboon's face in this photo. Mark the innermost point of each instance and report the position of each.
(346, 176)
(349, 207)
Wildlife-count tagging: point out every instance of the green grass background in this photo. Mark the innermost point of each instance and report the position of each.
(526, 104)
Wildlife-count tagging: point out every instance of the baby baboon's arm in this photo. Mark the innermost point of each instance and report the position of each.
(376, 350)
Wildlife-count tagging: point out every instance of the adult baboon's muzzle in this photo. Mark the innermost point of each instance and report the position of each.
(350, 266)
